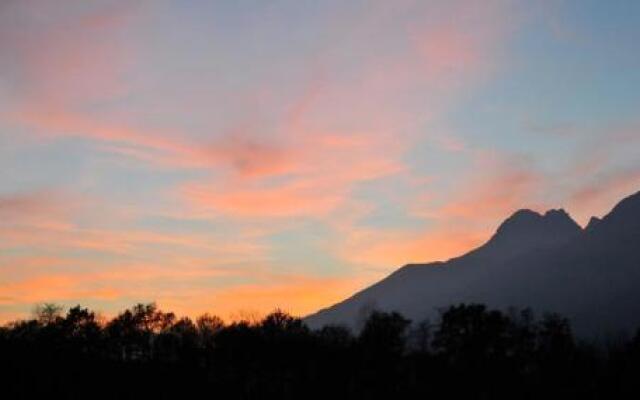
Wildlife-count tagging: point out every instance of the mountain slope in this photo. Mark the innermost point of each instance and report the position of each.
(546, 262)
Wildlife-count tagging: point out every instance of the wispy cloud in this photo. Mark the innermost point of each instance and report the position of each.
(201, 148)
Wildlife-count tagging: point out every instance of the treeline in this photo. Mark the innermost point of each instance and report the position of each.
(469, 352)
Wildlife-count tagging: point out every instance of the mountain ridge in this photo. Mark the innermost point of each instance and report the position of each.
(543, 261)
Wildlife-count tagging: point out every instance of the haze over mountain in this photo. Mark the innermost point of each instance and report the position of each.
(545, 262)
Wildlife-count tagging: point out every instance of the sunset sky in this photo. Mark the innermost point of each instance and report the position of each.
(238, 156)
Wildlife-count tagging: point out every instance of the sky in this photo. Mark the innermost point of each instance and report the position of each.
(234, 157)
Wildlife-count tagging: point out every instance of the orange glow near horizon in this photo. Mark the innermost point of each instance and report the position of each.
(215, 161)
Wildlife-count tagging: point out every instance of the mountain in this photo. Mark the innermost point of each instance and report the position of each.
(546, 262)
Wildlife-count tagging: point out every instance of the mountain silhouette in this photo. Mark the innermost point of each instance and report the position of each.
(543, 261)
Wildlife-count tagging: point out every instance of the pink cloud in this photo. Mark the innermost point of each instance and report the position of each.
(321, 173)
(66, 64)
(337, 134)
(493, 187)
(597, 175)
(63, 55)
(42, 208)
(26, 203)
(448, 51)
(69, 237)
(600, 195)
(455, 221)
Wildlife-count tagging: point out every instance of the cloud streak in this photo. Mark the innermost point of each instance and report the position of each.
(198, 151)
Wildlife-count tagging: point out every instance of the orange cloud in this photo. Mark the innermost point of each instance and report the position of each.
(291, 200)
(52, 288)
(384, 251)
(298, 295)
(179, 290)
(32, 280)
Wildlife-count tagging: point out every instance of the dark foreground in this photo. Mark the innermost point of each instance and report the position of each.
(470, 352)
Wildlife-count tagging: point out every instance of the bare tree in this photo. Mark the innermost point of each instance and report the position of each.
(47, 313)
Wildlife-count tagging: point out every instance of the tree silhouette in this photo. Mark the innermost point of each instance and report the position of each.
(48, 313)
(470, 352)
(384, 332)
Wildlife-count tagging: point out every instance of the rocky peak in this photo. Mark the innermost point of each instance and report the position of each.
(527, 229)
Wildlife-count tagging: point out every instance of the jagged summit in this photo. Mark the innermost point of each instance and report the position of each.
(559, 215)
(561, 221)
(526, 221)
(526, 229)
